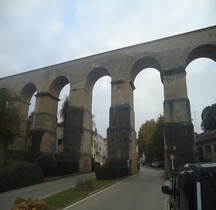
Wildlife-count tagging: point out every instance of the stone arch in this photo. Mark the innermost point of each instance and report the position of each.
(207, 51)
(25, 95)
(143, 63)
(94, 75)
(141, 70)
(5, 90)
(57, 85)
(27, 91)
(8, 93)
(44, 124)
(11, 93)
(78, 128)
(201, 73)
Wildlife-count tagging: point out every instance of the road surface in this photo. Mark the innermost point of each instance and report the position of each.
(140, 192)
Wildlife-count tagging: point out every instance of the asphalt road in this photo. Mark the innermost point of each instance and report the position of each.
(140, 192)
(40, 190)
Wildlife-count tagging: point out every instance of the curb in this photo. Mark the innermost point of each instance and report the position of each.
(166, 203)
(92, 194)
(166, 199)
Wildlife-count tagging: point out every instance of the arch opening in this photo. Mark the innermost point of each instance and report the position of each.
(148, 96)
(145, 74)
(63, 96)
(57, 85)
(203, 51)
(98, 82)
(148, 103)
(143, 63)
(94, 75)
(27, 92)
(64, 93)
(60, 89)
(27, 95)
(201, 74)
(101, 102)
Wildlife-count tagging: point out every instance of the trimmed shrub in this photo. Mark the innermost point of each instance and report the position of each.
(13, 177)
(65, 167)
(111, 172)
(48, 164)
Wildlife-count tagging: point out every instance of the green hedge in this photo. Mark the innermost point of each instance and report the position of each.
(65, 167)
(111, 172)
(13, 177)
(48, 164)
(94, 165)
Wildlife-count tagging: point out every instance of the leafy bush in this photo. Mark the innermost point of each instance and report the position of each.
(66, 167)
(111, 172)
(48, 164)
(13, 177)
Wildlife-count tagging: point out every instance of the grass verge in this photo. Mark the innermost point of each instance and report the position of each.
(82, 190)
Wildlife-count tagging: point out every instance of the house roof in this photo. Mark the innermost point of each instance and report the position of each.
(206, 136)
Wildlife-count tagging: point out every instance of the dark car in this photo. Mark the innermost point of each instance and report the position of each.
(157, 164)
(193, 187)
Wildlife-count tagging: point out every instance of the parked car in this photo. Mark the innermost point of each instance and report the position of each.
(157, 164)
(193, 187)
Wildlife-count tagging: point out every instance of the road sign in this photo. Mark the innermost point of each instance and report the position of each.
(172, 157)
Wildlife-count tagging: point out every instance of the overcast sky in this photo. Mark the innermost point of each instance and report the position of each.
(38, 33)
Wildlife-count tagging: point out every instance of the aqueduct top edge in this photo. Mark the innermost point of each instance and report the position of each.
(168, 53)
(116, 50)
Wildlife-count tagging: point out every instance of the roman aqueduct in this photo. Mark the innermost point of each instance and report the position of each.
(170, 56)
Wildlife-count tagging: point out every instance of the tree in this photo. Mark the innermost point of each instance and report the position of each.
(158, 139)
(65, 106)
(9, 121)
(208, 117)
(29, 122)
(151, 140)
(145, 139)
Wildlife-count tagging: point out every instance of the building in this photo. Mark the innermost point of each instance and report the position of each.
(99, 145)
(206, 146)
(99, 148)
(59, 142)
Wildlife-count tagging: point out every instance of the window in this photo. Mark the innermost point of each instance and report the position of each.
(208, 149)
(200, 151)
(60, 141)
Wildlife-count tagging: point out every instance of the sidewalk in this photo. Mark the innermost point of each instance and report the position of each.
(41, 190)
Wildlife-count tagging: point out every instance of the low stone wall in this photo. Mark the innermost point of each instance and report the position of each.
(28, 204)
